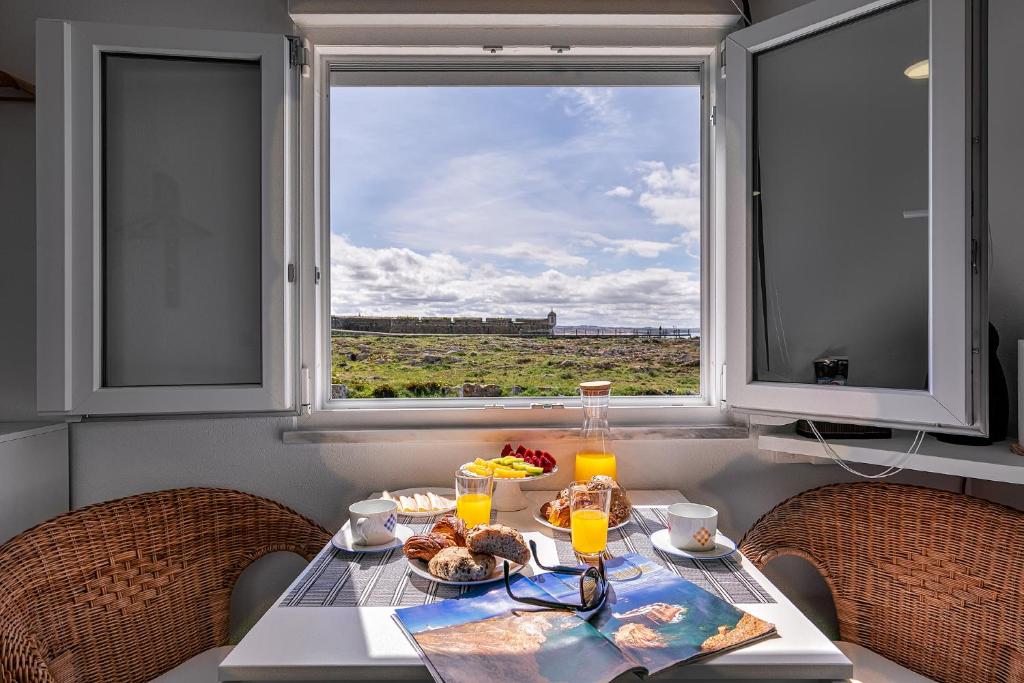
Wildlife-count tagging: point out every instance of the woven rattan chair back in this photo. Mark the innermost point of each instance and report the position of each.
(930, 579)
(120, 592)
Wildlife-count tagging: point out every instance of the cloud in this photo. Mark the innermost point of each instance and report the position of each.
(398, 281)
(619, 191)
(596, 104)
(672, 197)
(626, 247)
(525, 251)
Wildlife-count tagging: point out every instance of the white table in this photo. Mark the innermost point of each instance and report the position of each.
(353, 643)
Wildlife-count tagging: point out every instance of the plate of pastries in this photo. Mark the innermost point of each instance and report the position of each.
(452, 554)
(422, 502)
(555, 514)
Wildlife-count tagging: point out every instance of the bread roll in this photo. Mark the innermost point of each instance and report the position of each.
(500, 540)
(459, 564)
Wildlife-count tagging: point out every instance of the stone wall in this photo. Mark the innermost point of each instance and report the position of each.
(441, 325)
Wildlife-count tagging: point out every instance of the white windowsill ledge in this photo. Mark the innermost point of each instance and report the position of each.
(505, 434)
(994, 463)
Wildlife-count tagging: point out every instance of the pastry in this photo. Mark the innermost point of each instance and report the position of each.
(558, 513)
(459, 564)
(425, 546)
(500, 540)
(452, 527)
(619, 511)
(420, 502)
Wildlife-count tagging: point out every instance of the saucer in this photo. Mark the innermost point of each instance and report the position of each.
(724, 546)
(343, 540)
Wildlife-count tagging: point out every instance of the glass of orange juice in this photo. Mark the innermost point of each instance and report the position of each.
(588, 515)
(473, 498)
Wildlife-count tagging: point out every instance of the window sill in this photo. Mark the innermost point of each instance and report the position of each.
(994, 463)
(505, 434)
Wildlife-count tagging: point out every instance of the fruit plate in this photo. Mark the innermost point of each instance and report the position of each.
(438, 491)
(540, 514)
(419, 568)
(507, 496)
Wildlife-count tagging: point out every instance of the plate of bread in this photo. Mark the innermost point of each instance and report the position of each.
(422, 502)
(555, 514)
(452, 554)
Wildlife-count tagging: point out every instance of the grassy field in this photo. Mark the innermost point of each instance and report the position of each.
(425, 366)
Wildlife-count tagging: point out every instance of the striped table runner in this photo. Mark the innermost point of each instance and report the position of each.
(337, 578)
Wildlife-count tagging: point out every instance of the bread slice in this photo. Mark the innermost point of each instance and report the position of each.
(500, 540)
(458, 564)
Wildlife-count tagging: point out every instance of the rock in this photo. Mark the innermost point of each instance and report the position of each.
(358, 355)
(430, 359)
(339, 391)
(516, 389)
(471, 390)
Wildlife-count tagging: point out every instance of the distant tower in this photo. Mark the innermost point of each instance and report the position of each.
(552, 319)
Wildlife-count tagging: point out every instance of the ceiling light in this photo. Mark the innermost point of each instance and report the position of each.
(918, 70)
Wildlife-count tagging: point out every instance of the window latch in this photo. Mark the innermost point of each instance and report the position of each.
(546, 406)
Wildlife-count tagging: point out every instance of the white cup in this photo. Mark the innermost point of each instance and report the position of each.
(692, 526)
(373, 522)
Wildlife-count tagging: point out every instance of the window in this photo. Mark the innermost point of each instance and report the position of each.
(499, 231)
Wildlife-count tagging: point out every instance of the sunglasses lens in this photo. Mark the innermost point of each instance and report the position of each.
(592, 588)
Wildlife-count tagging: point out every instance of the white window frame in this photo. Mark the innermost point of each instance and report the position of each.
(956, 398)
(511, 411)
(69, 187)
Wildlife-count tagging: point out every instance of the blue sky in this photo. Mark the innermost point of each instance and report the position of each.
(509, 201)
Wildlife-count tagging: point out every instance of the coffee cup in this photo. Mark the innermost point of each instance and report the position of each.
(373, 522)
(692, 526)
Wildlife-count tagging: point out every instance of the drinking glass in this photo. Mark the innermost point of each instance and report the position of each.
(588, 515)
(473, 498)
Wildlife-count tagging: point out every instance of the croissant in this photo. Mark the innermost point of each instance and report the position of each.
(425, 546)
(452, 527)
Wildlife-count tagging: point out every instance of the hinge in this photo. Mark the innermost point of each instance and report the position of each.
(316, 275)
(714, 114)
(298, 53)
(721, 385)
(291, 272)
(306, 406)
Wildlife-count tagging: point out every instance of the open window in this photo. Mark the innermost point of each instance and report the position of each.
(164, 220)
(855, 211)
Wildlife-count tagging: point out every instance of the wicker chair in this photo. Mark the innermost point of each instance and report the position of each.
(931, 580)
(123, 591)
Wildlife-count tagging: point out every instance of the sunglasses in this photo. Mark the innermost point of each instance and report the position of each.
(593, 586)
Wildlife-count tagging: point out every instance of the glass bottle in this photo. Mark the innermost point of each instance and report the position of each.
(593, 456)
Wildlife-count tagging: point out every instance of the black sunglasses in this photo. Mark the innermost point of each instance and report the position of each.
(593, 586)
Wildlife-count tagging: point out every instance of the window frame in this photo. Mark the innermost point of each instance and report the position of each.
(957, 395)
(525, 411)
(70, 223)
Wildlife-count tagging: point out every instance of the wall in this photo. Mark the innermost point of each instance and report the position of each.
(117, 458)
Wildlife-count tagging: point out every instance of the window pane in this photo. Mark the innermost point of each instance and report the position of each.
(181, 209)
(841, 224)
(501, 241)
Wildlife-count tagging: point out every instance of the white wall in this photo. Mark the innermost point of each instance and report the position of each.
(117, 458)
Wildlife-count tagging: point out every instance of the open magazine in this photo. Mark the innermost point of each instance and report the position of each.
(653, 620)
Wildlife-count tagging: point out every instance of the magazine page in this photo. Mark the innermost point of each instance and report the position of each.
(660, 619)
(487, 636)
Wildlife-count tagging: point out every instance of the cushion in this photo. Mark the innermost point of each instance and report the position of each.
(199, 669)
(870, 667)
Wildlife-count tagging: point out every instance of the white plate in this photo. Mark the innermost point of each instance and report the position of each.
(724, 546)
(447, 493)
(343, 540)
(419, 567)
(537, 515)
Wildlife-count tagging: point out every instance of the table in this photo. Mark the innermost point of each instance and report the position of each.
(353, 643)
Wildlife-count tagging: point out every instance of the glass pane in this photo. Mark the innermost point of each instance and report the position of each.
(181, 210)
(841, 224)
(514, 241)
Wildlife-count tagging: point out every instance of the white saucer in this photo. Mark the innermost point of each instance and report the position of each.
(724, 546)
(419, 568)
(343, 540)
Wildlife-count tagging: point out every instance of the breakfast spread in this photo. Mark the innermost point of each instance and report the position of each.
(557, 511)
(520, 463)
(453, 553)
(428, 501)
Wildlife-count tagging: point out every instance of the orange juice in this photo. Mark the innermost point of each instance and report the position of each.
(474, 508)
(589, 531)
(589, 464)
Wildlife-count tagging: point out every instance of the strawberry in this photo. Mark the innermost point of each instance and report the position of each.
(520, 450)
(507, 450)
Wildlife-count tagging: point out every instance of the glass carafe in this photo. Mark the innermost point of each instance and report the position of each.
(593, 455)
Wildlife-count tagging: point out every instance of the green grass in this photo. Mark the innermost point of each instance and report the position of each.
(432, 366)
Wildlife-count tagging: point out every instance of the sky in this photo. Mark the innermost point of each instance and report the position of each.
(512, 201)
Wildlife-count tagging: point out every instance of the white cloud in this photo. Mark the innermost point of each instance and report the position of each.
(390, 281)
(627, 247)
(619, 191)
(525, 251)
(595, 104)
(672, 197)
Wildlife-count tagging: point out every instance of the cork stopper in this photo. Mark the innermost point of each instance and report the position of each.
(598, 388)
